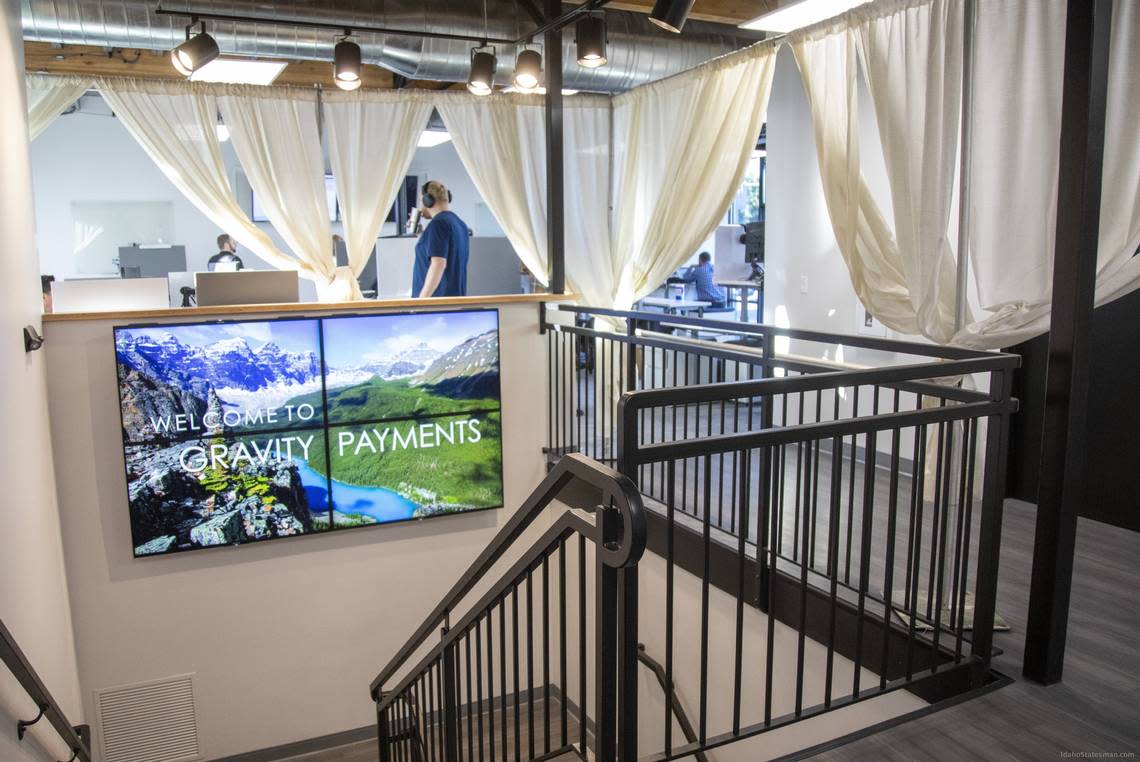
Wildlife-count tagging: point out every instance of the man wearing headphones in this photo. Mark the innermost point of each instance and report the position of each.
(441, 252)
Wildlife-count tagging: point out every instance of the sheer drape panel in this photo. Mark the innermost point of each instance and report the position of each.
(48, 96)
(502, 143)
(586, 148)
(175, 124)
(827, 62)
(372, 136)
(912, 58)
(681, 146)
(1014, 164)
(275, 136)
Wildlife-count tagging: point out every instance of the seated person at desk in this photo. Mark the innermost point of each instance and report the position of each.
(442, 251)
(702, 275)
(226, 256)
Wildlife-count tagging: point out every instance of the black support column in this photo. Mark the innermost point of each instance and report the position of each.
(1062, 476)
(555, 189)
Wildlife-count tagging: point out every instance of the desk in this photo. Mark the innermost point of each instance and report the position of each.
(675, 306)
(745, 286)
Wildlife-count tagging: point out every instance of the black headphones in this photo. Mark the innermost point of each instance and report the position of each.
(428, 198)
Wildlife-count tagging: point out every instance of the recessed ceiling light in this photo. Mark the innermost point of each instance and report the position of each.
(432, 138)
(800, 14)
(237, 71)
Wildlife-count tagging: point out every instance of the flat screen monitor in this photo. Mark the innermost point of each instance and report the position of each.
(236, 432)
(257, 212)
(247, 287)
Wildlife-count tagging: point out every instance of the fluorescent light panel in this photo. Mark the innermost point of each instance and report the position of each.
(432, 138)
(536, 91)
(239, 71)
(800, 14)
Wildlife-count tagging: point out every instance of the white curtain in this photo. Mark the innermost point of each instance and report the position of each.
(912, 57)
(502, 143)
(680, 147)
(1014, 161)
(827, 61)
(48, 96)
(372, 136)
(275, 136)
(175, 124)
(586, 124)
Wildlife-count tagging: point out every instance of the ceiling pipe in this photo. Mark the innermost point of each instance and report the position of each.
(638, 52)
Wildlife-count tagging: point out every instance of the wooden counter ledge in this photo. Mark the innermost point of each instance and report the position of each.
(364, 305)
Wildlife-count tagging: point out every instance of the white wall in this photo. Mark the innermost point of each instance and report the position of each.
(442, 163)
(283, 637)
(33, 589)
(799, 241)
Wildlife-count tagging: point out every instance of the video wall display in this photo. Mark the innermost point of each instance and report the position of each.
(235, 432)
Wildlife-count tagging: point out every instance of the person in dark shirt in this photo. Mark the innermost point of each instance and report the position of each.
(702, 275)
(441, 253)
(227, 253)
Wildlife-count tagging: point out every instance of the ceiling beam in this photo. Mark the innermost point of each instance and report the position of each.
(92, 61)
(733, 12)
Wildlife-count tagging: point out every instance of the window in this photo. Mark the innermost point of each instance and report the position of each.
(748, 204)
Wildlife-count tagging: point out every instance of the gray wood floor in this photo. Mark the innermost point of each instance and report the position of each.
(1096, 709)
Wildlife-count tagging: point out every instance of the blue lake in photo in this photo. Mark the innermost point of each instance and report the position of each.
(375, 502)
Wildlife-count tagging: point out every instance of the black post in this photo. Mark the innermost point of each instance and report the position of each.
(450, 705)
(382, 733)
(555, 204)
(606, 640)
(1061, 486)
(989, 527)
(627, 663)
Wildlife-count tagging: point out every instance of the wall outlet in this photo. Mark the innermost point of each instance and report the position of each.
(803, 284)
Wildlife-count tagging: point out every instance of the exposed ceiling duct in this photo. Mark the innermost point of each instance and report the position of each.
(638, 52)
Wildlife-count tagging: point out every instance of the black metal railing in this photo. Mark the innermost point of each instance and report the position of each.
(859, 506)
(77, 737)
(511, 678)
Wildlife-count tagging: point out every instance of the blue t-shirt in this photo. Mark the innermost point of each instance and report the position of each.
(445, 236)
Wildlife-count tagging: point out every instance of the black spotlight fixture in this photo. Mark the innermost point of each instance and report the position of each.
(198, 50)
(528, 70)
(346, 64)
(590, 36)
(482, 77)
(670, 15)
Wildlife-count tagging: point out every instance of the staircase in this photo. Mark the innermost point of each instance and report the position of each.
(823, 554)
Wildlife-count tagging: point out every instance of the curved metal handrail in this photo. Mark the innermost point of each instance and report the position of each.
(19, 665)
(618, 493)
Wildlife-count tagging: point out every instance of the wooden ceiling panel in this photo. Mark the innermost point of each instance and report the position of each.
(148, 64)
(733, 12)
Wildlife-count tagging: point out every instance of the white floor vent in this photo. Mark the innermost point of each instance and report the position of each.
(149, 722)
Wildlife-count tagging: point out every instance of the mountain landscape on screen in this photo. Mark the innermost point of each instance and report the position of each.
(192, 400)
(412, 443)
(227, 437)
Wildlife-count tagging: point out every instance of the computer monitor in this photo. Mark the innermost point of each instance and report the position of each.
(151, 261)
(247, 287)
(109, 294)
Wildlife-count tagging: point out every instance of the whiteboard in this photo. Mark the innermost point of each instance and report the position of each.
(99, 228)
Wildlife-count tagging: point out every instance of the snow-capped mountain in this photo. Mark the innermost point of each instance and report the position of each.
(231, 363)
(407, 363)
(468, 370)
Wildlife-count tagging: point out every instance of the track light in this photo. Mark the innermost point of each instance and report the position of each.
(482, 77)
(670, 15)
(528, 70)
(590, 34)
(346, 65)
(196, 52)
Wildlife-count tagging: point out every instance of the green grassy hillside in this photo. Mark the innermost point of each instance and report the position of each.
(461, 474)
(379, 398)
